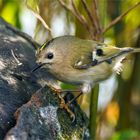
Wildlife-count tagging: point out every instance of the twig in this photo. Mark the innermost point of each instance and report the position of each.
(42, 21)
(97, 16)
(77, 14)
(38, 17)
(89, 15)
(15, 57)
(116, 20)
(81, 17)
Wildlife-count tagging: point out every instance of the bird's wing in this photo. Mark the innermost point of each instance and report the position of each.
(90, 56)
(98, 56)
(83, 61)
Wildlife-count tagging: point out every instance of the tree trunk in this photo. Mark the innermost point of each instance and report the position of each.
(39, 118)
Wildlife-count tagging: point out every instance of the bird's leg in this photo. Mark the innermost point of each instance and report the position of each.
(75, 98)
(62, 101)
(67, 105)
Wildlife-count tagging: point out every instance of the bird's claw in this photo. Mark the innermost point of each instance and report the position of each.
(62, 102)
(66, 107)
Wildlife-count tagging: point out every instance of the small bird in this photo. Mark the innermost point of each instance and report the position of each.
(80, 62)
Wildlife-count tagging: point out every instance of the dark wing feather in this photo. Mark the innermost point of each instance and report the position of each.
(84, 61)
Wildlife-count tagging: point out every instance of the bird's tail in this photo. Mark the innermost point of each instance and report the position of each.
(136, 50)
(128, 50)
(114, 51)
(125, 51)
(110, 53)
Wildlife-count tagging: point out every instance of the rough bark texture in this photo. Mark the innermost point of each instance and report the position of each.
(41, 118)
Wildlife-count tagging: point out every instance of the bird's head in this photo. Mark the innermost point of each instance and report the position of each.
(50, 54)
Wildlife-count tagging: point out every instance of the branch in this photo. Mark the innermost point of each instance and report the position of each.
(97, 16)
(38, 17)
(93, 21)
(77, 14)
(81, 17)
(116, 20)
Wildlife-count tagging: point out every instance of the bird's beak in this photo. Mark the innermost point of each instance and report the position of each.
(37, 67)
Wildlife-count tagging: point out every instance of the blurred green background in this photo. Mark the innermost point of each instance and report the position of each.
(119, 96)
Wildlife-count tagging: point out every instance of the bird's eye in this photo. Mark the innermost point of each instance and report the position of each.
(99, 52)
(50, 55)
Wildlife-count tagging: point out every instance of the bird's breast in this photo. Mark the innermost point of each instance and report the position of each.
(75, 76)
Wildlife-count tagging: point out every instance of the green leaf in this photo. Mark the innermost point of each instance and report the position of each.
(125, 135)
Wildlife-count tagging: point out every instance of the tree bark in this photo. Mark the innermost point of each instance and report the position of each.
(39, 118)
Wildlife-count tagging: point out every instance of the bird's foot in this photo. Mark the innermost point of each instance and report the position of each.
(62, 102)
(68, 104)
(66, 107)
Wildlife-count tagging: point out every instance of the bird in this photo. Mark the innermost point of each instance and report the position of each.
(80, 62)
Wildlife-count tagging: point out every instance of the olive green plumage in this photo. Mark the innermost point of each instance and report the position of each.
(70, 59)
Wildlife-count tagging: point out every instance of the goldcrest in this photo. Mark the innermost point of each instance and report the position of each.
(80, 62)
